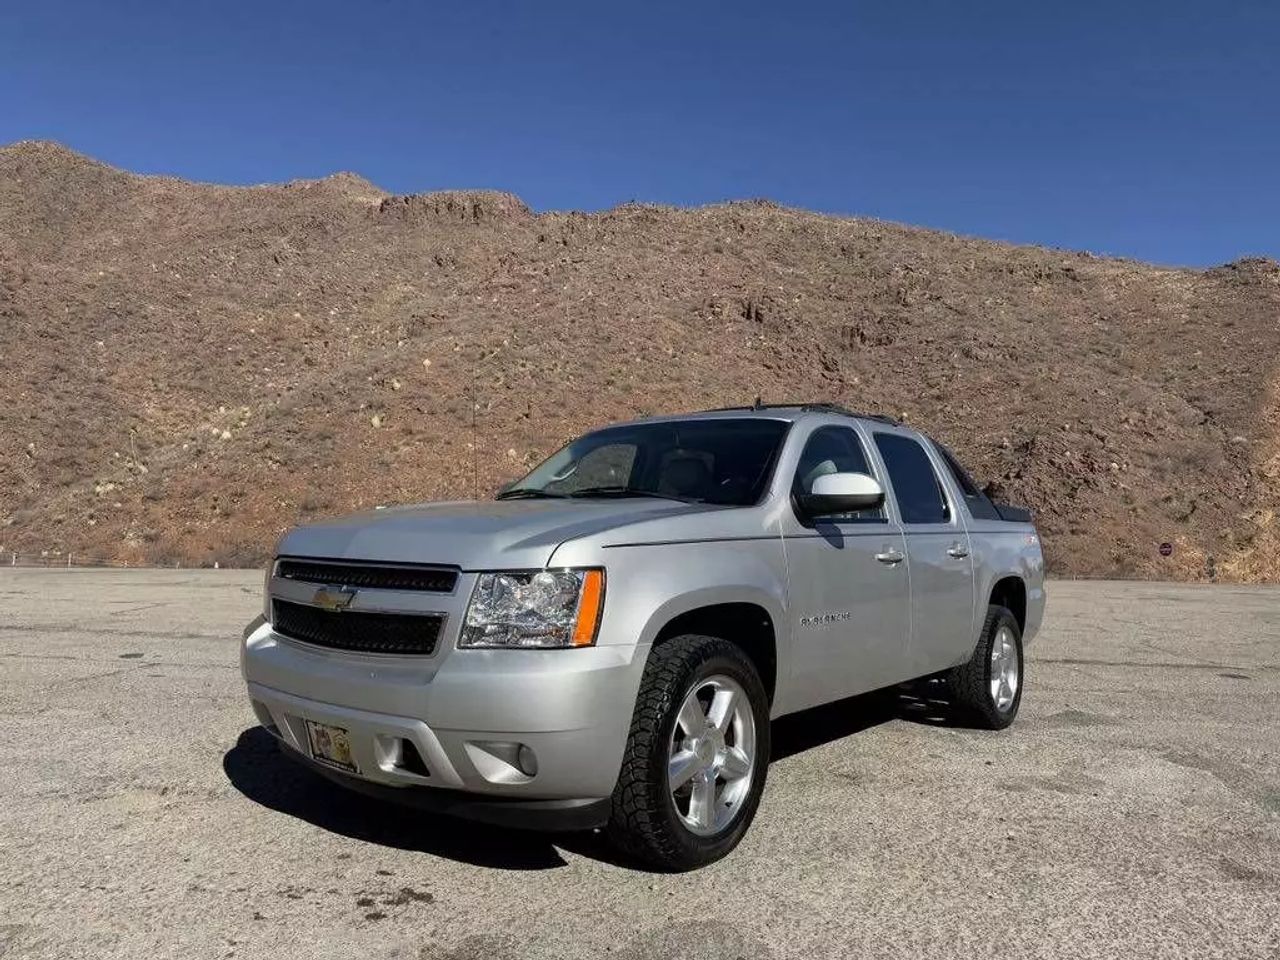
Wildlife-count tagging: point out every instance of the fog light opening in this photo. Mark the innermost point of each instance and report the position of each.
(527, 761)
(503, 761)
(411, 760)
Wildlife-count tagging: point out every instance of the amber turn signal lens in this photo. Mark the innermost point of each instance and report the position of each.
(589, 607)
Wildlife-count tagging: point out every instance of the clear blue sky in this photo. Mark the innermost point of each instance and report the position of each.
(1148, 129)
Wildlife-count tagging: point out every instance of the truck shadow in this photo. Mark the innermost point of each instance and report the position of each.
(922, 701)
(256, 768)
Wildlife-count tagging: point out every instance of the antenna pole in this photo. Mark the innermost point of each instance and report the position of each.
(475, 469)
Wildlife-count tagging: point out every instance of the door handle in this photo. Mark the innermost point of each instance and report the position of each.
(957, 551)
(890, 557)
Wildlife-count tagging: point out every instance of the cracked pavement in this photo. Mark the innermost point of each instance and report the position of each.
(1133, 809)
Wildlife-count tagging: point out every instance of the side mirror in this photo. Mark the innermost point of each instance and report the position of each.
(834, 493)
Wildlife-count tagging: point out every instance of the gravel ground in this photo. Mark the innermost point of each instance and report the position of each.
(1133, 810)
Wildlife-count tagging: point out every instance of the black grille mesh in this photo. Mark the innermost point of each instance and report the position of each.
(408, 633)
(427, 579)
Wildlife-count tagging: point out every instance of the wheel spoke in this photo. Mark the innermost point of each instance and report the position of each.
(736, 764)
(720, 714)
(711, 755)
(682, 765)
(702, 803)
(692, 720)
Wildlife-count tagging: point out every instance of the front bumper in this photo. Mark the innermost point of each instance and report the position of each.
(466, 713)
(544, 815)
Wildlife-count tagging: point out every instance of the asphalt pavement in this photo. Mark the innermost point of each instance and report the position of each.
(1132, 811)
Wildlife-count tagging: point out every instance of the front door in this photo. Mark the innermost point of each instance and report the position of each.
(937, 554)
(848, 589)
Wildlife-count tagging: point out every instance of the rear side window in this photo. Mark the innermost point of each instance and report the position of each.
(915, 485)
(833, 450)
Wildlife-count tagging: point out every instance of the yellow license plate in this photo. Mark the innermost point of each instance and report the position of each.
(331, 745)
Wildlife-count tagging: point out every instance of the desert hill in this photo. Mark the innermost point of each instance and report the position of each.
(186, 369)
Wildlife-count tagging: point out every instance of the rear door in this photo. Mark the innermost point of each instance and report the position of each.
(847, 584)
(938, 554)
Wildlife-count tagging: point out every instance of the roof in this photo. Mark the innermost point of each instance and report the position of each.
(779, 411)
(811, 407)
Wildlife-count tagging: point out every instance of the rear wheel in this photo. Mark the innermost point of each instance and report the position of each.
(988, 689)
(696, 756)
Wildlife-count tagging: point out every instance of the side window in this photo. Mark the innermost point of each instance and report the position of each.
(980, 507)
(920, 496)
(833, 450)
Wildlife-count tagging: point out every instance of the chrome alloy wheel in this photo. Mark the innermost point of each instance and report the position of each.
(713, 755)
(1004, 669)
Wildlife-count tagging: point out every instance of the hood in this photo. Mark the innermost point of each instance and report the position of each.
(489, 535)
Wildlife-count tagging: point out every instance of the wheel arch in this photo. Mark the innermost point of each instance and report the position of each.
(1011, 591)
(744, 618)
(748, 626)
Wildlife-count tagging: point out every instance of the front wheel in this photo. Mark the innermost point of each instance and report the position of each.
(696, 756)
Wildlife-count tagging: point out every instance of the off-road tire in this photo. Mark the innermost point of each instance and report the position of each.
(970, 683)
(644, 822)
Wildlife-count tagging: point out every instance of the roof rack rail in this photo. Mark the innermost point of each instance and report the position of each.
(814, 407)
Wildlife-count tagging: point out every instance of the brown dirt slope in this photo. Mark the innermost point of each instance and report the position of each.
(187, 369)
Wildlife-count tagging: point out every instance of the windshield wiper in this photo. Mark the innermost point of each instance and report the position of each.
(529, 493)
(617, 491)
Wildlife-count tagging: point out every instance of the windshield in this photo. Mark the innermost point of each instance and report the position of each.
(725, 461)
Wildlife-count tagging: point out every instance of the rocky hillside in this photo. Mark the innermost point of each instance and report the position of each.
(187, 369)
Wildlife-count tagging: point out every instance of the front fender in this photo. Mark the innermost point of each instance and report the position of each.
(648, 585)
(709, 596)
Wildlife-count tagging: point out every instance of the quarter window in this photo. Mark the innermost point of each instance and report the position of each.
(833, 450)
(980, 507)
(915, 485)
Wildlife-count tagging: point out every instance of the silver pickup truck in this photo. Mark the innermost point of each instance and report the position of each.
(606, 643)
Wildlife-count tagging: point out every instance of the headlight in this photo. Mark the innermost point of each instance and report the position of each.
(536, 608)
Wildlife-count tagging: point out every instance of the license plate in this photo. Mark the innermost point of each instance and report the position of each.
(331, 745)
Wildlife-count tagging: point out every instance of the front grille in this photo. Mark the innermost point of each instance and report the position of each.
(373, 577)
(407, 633)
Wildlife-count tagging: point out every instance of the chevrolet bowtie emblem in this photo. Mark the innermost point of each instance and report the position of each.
(334, 598)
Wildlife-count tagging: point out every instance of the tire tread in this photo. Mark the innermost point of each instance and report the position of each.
(638, 820)
(968, 682)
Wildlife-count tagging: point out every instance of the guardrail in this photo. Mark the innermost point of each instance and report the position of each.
(11, 558)
(55, 559)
